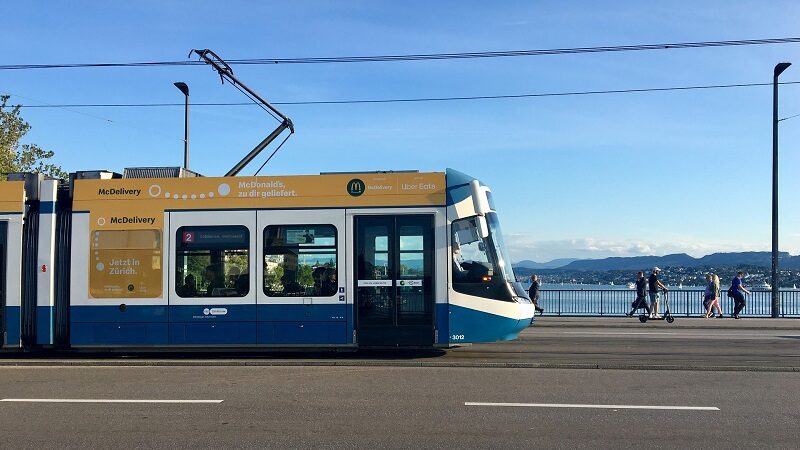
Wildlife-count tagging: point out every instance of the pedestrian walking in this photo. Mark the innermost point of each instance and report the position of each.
(654, 285)
(738, 292)
(708, 294)
(717, 296)
(533, 292)
(641, 295)
(714, 300)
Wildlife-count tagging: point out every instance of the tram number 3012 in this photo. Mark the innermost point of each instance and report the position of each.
(456, 337)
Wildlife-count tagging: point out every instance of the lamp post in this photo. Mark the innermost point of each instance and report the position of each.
(776, 295)
(185, 89)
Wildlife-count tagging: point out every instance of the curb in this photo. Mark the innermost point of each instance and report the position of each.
(673, 325)
(410, 364)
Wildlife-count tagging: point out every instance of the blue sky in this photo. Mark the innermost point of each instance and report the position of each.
(579, 176)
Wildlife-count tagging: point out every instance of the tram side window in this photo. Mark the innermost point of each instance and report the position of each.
(300, 260)
(212, 261)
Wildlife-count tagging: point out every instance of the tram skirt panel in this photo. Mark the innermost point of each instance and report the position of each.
(472, 325)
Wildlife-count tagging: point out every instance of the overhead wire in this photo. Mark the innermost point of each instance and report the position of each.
(421, 56)
(103, 119)
(420, 99)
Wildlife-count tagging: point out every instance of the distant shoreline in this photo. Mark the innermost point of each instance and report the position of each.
(622, 287)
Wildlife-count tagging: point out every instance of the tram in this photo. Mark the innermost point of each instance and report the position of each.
(157, 258)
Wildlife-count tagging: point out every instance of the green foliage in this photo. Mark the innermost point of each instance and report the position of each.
(304, 276)
(196, 266)
(272, 277)
(16, 157)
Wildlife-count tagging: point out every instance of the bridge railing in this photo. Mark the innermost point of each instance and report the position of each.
(682, 302)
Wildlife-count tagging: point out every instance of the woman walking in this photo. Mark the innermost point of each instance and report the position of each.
(714, 300)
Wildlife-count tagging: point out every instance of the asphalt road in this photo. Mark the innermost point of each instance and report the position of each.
(744, 376)
(600, 343)
(396, 407)
(695, 344)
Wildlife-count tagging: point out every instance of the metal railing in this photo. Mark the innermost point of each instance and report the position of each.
(682, 302)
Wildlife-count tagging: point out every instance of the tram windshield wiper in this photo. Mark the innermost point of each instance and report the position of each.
(226, 73)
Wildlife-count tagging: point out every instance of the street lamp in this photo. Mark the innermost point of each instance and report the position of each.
(776, 295)
(185, 89)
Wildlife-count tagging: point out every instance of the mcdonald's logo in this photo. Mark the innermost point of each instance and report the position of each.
(355, 187)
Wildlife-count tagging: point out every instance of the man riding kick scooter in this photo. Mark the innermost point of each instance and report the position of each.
(654, 285)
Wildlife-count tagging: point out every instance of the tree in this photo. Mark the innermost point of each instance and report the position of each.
(16, 157)
(305, 276)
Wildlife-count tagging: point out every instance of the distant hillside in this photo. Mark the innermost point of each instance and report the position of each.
(762, 259)
(791, 263)
(742, 258)
(554, 264)
(632, 263)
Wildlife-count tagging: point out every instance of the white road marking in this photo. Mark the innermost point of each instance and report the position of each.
(677, 334)
(621, 332)
(99, 400)
(570, 405)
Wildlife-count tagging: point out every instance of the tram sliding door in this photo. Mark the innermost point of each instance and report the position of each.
(394, 281)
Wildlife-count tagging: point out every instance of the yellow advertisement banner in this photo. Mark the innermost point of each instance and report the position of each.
(125, 264)
(12, 196)
(300, 191)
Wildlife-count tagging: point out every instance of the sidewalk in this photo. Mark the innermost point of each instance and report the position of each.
(680, 323)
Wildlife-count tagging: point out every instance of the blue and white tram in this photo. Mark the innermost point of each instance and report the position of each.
(357, 260)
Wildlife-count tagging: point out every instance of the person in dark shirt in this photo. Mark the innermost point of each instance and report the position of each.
(641, 295)
(291, 287)
(533, 292)
(738, 291)
(242, 284)
(329, 284)
(654, 284)
(319, 279)
(189, 287)
(215, 280)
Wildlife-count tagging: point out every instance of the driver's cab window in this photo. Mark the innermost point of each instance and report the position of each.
(471, 260)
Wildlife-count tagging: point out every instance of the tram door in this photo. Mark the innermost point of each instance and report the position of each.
(3, 246)
(394, 280)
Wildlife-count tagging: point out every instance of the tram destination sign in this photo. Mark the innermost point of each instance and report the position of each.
(214, 237)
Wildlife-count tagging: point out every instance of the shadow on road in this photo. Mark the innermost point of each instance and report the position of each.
(205, 354)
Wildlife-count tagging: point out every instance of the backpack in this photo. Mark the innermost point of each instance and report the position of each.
(730, 292)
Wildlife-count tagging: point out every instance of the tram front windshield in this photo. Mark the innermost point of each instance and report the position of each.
(503, 262)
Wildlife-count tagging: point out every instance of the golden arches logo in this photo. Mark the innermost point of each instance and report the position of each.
(355, 187)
